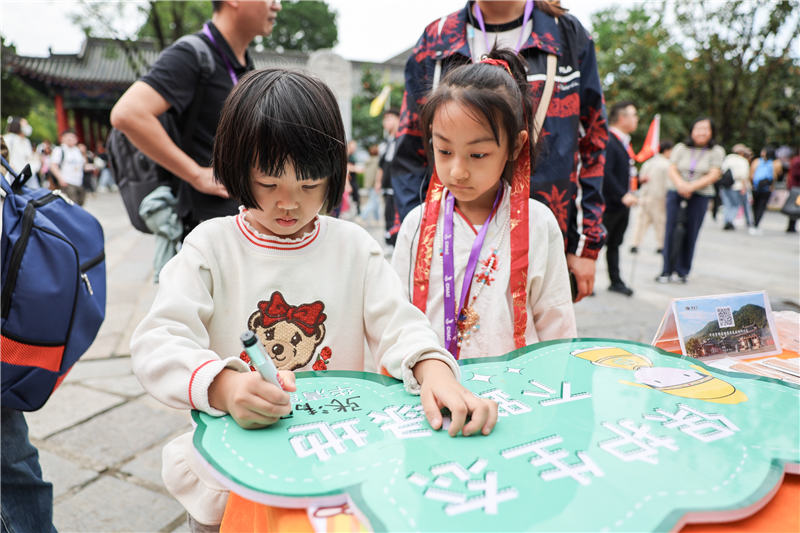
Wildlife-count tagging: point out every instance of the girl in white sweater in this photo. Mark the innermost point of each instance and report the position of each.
(480, 258)
(312, 288)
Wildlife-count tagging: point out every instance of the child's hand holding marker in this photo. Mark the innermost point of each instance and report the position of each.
(253, 399)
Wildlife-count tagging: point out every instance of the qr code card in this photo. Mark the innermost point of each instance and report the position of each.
(726, 325)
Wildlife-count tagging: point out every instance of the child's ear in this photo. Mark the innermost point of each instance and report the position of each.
(522, 137)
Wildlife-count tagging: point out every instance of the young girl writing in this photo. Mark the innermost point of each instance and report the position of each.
(310, 287)
(482, 260)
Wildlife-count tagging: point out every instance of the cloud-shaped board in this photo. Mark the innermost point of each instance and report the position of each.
(593, 434)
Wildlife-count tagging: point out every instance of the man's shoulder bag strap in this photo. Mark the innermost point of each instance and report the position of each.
(206, 61)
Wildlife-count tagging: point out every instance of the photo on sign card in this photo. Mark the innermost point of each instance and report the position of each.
(728, 325)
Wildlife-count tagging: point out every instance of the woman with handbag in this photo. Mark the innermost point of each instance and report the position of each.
(736, 193)
(695, 166)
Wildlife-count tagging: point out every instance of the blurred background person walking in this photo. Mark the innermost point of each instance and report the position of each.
(391, 121)
(695, 166)
(763, 173)
(737, 195)
(67, 165)
(371, 212)
(20, 150)
(353, 170)
(653, 180)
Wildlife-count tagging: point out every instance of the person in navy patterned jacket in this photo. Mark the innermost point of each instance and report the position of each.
(571, 152)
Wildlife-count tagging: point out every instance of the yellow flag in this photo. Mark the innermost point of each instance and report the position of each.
(376, 106)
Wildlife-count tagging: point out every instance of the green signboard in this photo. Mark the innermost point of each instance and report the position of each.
(593, 434)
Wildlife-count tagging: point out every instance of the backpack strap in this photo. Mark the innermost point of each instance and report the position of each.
(205, 59)
(437, 69)
(5, 187)
(20, 178)
(544, 101)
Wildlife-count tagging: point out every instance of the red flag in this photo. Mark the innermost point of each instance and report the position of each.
(651, 142)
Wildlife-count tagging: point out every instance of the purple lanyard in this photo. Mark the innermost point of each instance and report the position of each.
(449, 269)
(207, 32)
(525, 19)
(694, 160)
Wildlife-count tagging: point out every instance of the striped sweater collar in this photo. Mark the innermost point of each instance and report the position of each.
(272, 242)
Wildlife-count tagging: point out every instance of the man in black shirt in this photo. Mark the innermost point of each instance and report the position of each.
(617, 174)
(171, 84)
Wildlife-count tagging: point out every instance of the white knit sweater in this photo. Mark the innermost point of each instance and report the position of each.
(335, 290)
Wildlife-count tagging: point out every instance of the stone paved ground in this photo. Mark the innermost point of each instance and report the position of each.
(100, 435)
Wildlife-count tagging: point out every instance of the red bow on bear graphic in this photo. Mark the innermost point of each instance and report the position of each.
(306, 316)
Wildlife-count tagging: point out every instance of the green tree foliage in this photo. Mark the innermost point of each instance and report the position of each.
(167, 21)
(368, 130)
(638, 62)
(732, 61)
(304, 26)
(750, 314)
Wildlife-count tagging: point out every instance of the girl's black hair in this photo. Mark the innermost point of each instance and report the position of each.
(769, 152)
(274, 117)
(712, 141)
(491, 93)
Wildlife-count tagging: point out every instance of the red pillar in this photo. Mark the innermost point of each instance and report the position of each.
(98, 138)
(79, 125)
(91, 144)
(61, 116)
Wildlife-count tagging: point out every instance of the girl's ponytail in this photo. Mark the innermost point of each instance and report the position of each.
(517, 70)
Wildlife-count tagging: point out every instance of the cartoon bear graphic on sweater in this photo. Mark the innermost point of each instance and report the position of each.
(289, 334)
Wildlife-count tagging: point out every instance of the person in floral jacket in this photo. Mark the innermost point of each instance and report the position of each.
(571, 152)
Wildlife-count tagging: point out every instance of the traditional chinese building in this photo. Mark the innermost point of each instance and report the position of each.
(85, 85)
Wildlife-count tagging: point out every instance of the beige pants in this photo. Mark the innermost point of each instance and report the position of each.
(651, 212)
(75, 193)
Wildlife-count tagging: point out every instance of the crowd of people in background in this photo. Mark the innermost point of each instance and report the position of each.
(742, 185)
(70, 166)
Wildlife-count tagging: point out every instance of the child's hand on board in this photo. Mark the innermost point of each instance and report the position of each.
(249, 399)
(440, 389)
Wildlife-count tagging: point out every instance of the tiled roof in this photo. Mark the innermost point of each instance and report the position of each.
(100, 62)
(108, 63)
(98, 74)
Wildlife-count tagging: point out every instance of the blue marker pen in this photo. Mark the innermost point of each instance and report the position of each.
(260, 359)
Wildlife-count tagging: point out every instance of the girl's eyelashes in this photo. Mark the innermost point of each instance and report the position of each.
(478, 156)
(267, 185)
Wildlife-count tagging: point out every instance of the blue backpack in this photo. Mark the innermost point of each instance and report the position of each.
(762, 178)
(53, 290)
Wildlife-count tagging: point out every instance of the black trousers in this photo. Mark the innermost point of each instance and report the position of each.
(760, 200)
(616, 222)
(390, 216)
(354, 194)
